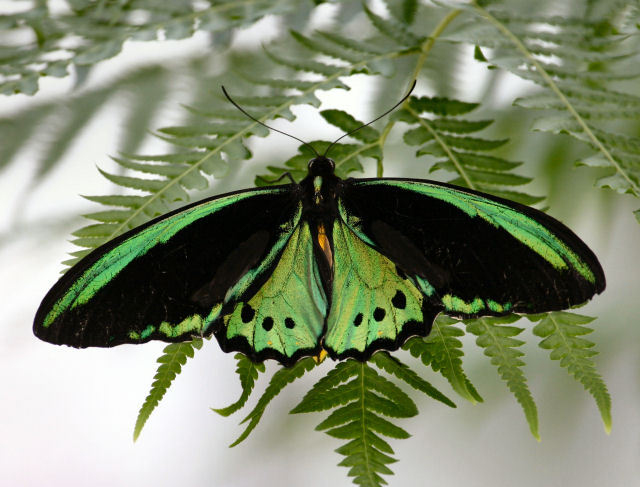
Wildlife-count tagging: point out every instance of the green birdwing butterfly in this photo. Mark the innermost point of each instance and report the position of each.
(348, 266)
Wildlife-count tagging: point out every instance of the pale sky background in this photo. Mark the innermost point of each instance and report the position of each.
(67, 416)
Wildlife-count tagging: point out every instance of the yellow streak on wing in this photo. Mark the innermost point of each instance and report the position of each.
(324, 244)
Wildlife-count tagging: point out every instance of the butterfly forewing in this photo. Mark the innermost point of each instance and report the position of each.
(471, 253)
(169, 278)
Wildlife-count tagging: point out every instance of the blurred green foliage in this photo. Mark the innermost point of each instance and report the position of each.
(576, 104)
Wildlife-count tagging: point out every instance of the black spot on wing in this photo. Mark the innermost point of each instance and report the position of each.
(410, 328)
(289, 323)
(399, 300)
(247, 313)
(379, 314)
(357, 321)
(267, 323)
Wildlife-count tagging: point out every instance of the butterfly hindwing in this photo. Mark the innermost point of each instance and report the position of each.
(167, 279)
(373, 306)
(284, 318)
(472, 253)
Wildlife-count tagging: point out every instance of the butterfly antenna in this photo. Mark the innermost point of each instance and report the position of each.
(265, 125)
(374, 120)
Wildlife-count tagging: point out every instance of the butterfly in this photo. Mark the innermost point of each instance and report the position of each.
(342, 266)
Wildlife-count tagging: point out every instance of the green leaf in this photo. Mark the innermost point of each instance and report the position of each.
(322, 45)
(561, 332)
(99, 52)
(90, 32)
(393, 29)
(282, 378)
(405, 11)
(442, 350)
(350, 43)
(393, 366)
(362, 401)
(440, 106)
(248, 373)
(171, 361)
(348, 123)
(497, 340)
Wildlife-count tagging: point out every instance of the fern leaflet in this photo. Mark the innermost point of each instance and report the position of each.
(442, 350)
(497, 340)
(175, 355)
(89, 32)
(248, 373)
(393, 366)
(282, 378)
(561, 333)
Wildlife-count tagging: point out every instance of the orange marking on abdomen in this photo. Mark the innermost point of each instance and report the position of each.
(324, 244)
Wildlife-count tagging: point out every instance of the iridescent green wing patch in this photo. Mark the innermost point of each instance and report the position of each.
(284, 318)
(167, 279)
(372, 305)
(471, 253)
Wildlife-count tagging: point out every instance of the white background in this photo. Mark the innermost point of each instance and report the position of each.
(67, 416)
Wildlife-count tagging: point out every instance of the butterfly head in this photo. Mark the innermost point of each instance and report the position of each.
(321, 166)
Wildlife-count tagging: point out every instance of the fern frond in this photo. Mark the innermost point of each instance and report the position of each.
(202, 150)
(586, 60)
(497, 340)
(248, 373)
(279, 380)
(174, 356)
(445, 137)
(59, 123)
(442, 350)
(90, 32)
(561, 332)
(217, 136)
(363, 400)
(369, 56)
(221, 135)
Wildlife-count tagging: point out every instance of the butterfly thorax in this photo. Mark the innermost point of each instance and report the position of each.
(319, 190)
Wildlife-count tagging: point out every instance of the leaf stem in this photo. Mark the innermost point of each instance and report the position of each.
(426, 46)
(370, 474)
(425, 49)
